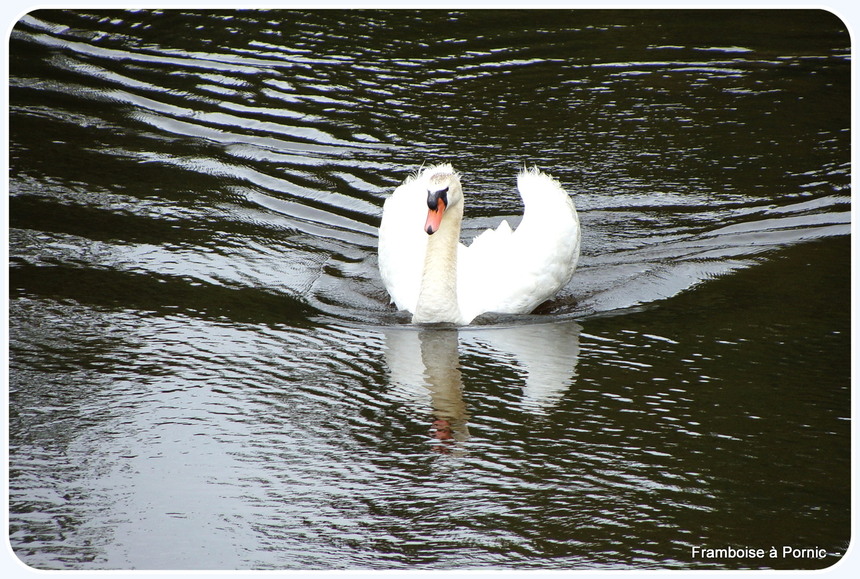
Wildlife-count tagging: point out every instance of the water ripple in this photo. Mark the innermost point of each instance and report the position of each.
(194, 295)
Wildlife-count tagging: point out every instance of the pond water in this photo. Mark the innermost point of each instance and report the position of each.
(205, 371)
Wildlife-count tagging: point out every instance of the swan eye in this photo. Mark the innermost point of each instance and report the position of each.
(433, 198)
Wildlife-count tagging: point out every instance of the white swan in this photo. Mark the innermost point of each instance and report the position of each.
(428, 272)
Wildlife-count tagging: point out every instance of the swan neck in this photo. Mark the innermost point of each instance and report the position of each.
(437, 299)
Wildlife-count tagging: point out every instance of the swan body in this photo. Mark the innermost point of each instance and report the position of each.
(430, 273)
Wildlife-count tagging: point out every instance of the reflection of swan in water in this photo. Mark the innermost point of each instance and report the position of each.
(427, 361)
(430, 273)
(425, 364)
(546, 353)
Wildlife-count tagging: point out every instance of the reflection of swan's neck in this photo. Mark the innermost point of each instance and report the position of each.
(437, 300)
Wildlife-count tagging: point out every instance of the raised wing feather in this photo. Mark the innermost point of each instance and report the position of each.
(402, 242)
(506, 271)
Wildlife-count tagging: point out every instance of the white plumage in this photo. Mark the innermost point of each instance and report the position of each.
(439, 279)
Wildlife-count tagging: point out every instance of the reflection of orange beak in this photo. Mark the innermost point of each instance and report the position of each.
(434, 218)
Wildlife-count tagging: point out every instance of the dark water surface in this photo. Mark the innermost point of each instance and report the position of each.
(204, 369)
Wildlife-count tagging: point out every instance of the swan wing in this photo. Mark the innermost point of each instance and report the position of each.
(402, 239)
(514, 271)
(402, 244)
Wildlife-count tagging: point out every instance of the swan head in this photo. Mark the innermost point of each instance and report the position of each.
(443, 191)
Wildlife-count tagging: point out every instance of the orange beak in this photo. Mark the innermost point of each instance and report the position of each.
(434, 218)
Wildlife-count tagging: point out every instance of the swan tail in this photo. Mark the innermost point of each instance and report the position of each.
(490, 239)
